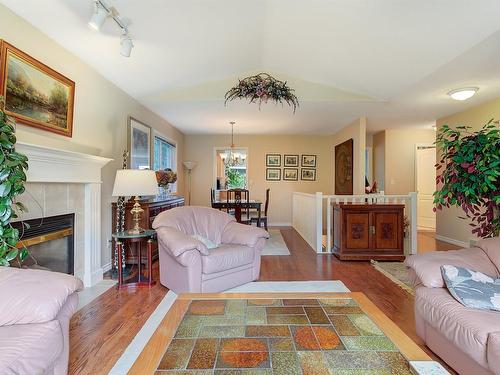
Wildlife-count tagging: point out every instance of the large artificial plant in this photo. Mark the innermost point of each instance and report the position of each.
(12, 179)
(469, 175)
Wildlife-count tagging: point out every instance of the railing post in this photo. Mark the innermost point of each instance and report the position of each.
(329, 225)
(413, 222)
(319, 222)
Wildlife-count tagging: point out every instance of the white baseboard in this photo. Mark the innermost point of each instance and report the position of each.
(280, 224)
(452, 241)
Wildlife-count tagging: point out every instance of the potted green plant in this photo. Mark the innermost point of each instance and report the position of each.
(469, 175)
(12, 179)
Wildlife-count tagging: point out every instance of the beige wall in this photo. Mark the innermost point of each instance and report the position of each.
(379, 159)
(100, 115)
(357, 131)
(400, 158)
(200, 148)
(448, 224)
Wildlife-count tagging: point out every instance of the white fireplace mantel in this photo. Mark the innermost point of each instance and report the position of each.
(50, 165)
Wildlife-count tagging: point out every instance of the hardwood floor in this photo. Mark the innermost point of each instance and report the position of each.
(101, 330)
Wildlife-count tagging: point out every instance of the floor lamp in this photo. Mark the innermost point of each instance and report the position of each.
(189, 166)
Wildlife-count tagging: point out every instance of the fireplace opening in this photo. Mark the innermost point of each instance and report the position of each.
(50, 243)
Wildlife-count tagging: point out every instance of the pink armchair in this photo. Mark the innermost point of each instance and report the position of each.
(36, 307)
(187, 265)
(467, 339)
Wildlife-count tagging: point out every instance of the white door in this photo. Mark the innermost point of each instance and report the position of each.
(426, 185)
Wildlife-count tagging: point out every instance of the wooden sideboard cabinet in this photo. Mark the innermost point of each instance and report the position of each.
(151, 207)
(368, 231)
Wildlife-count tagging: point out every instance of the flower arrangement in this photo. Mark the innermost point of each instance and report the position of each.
(165, 177)
(263, 87)
(469, 175)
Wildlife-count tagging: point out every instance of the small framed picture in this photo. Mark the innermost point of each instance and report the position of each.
(291, 174)
(308, 161)
(291, 160)
(273, 174)
(308, 174)
(273, 160)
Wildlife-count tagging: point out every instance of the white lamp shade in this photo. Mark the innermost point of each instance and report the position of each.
(134, 182)
(190, 164)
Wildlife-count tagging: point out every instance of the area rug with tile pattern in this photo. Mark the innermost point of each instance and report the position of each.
(282, 337)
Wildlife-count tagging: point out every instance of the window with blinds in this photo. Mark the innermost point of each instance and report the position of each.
(164, 155)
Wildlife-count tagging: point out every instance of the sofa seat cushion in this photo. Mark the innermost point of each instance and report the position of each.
(30, 348)
(226, 257)
(494, 351)
(468, 329)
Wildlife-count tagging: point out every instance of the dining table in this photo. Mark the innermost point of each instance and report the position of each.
(232, 204)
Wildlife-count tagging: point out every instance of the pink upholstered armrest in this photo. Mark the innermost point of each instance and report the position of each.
(178, 242)
(240, 234)
(428, 266)
(493, 353)
(33, 296)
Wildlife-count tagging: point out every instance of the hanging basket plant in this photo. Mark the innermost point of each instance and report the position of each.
(469, 175)
(261, 88)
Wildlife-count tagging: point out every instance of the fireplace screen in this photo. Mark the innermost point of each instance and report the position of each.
(50, 243)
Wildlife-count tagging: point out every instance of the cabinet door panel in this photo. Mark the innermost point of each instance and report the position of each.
(386, 230)
(358, 231)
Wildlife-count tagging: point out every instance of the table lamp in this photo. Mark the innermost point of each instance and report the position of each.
(133, 183)
(189, 166)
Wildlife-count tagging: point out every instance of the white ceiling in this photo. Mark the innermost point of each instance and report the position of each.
(390, 60)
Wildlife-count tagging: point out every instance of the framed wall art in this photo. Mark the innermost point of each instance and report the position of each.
(35, 94)
(291, 160)
(344, 168)
(308, 161)
(308, 174)
(139, 144)
(273, 160)
(273, 174)
(290, 174)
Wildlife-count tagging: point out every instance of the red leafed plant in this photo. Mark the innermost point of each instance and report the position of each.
(469, 175)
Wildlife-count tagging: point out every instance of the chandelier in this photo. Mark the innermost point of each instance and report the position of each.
(230, 157)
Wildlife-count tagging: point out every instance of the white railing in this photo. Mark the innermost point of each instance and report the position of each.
(313, 211)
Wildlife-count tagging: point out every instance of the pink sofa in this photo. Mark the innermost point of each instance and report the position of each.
(467, 339)
(36, 307)
(187, 265)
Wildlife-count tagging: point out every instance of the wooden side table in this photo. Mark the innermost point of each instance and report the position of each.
(138, 239)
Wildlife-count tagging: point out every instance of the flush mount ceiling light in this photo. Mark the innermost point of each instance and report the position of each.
(102, 11)
(463, 93)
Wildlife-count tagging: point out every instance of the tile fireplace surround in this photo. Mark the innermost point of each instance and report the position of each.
(61, 182)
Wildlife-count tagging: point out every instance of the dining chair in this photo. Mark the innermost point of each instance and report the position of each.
(263, 215)
(240, 199)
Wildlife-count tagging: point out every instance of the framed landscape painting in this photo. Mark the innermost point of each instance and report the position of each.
(308, 161)
(290, 174)
(273, 174)
(273, 160)
(35, 94)
(308, 174)
(139, 144)
(291, 160)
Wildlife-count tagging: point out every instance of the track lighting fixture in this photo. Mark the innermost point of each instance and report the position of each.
(102, 11)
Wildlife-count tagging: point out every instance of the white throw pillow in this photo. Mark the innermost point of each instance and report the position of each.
(205, 241)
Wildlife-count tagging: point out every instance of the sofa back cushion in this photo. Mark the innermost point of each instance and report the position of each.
(491, 246)
(428, 266)
(472, 288)
(192, 220)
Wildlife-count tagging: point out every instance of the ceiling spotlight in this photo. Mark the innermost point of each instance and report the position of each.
(126, 45)
(99, 16)
(463, 93)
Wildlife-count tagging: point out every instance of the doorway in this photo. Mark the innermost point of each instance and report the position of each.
(425, 185)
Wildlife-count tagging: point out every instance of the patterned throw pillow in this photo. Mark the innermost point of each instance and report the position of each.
(471, 288)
